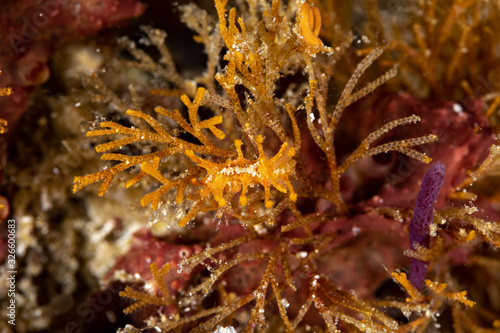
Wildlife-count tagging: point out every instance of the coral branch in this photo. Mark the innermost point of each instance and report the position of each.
(143, 299)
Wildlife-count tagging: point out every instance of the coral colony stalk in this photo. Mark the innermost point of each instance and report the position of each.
(423, 216)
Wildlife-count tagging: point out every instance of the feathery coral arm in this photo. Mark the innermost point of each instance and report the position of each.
(107, 175)
(353, 80)
(403, 146)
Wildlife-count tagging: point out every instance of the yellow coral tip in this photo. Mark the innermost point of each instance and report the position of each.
(309, 19)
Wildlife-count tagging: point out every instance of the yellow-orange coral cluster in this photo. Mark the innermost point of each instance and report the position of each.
(222, 179)
(437, 289)
(239, 174)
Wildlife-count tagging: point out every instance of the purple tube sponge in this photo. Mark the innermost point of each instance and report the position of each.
(423, 216)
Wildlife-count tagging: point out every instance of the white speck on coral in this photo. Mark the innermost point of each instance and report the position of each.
(457, 108)
(365, 39)
(302, 254)
(356, 230)
(221, 329)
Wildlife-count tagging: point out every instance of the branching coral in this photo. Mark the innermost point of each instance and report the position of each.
(256, 64)
(241, 173)
(144, 299)
(234, 151)
(489, 168)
